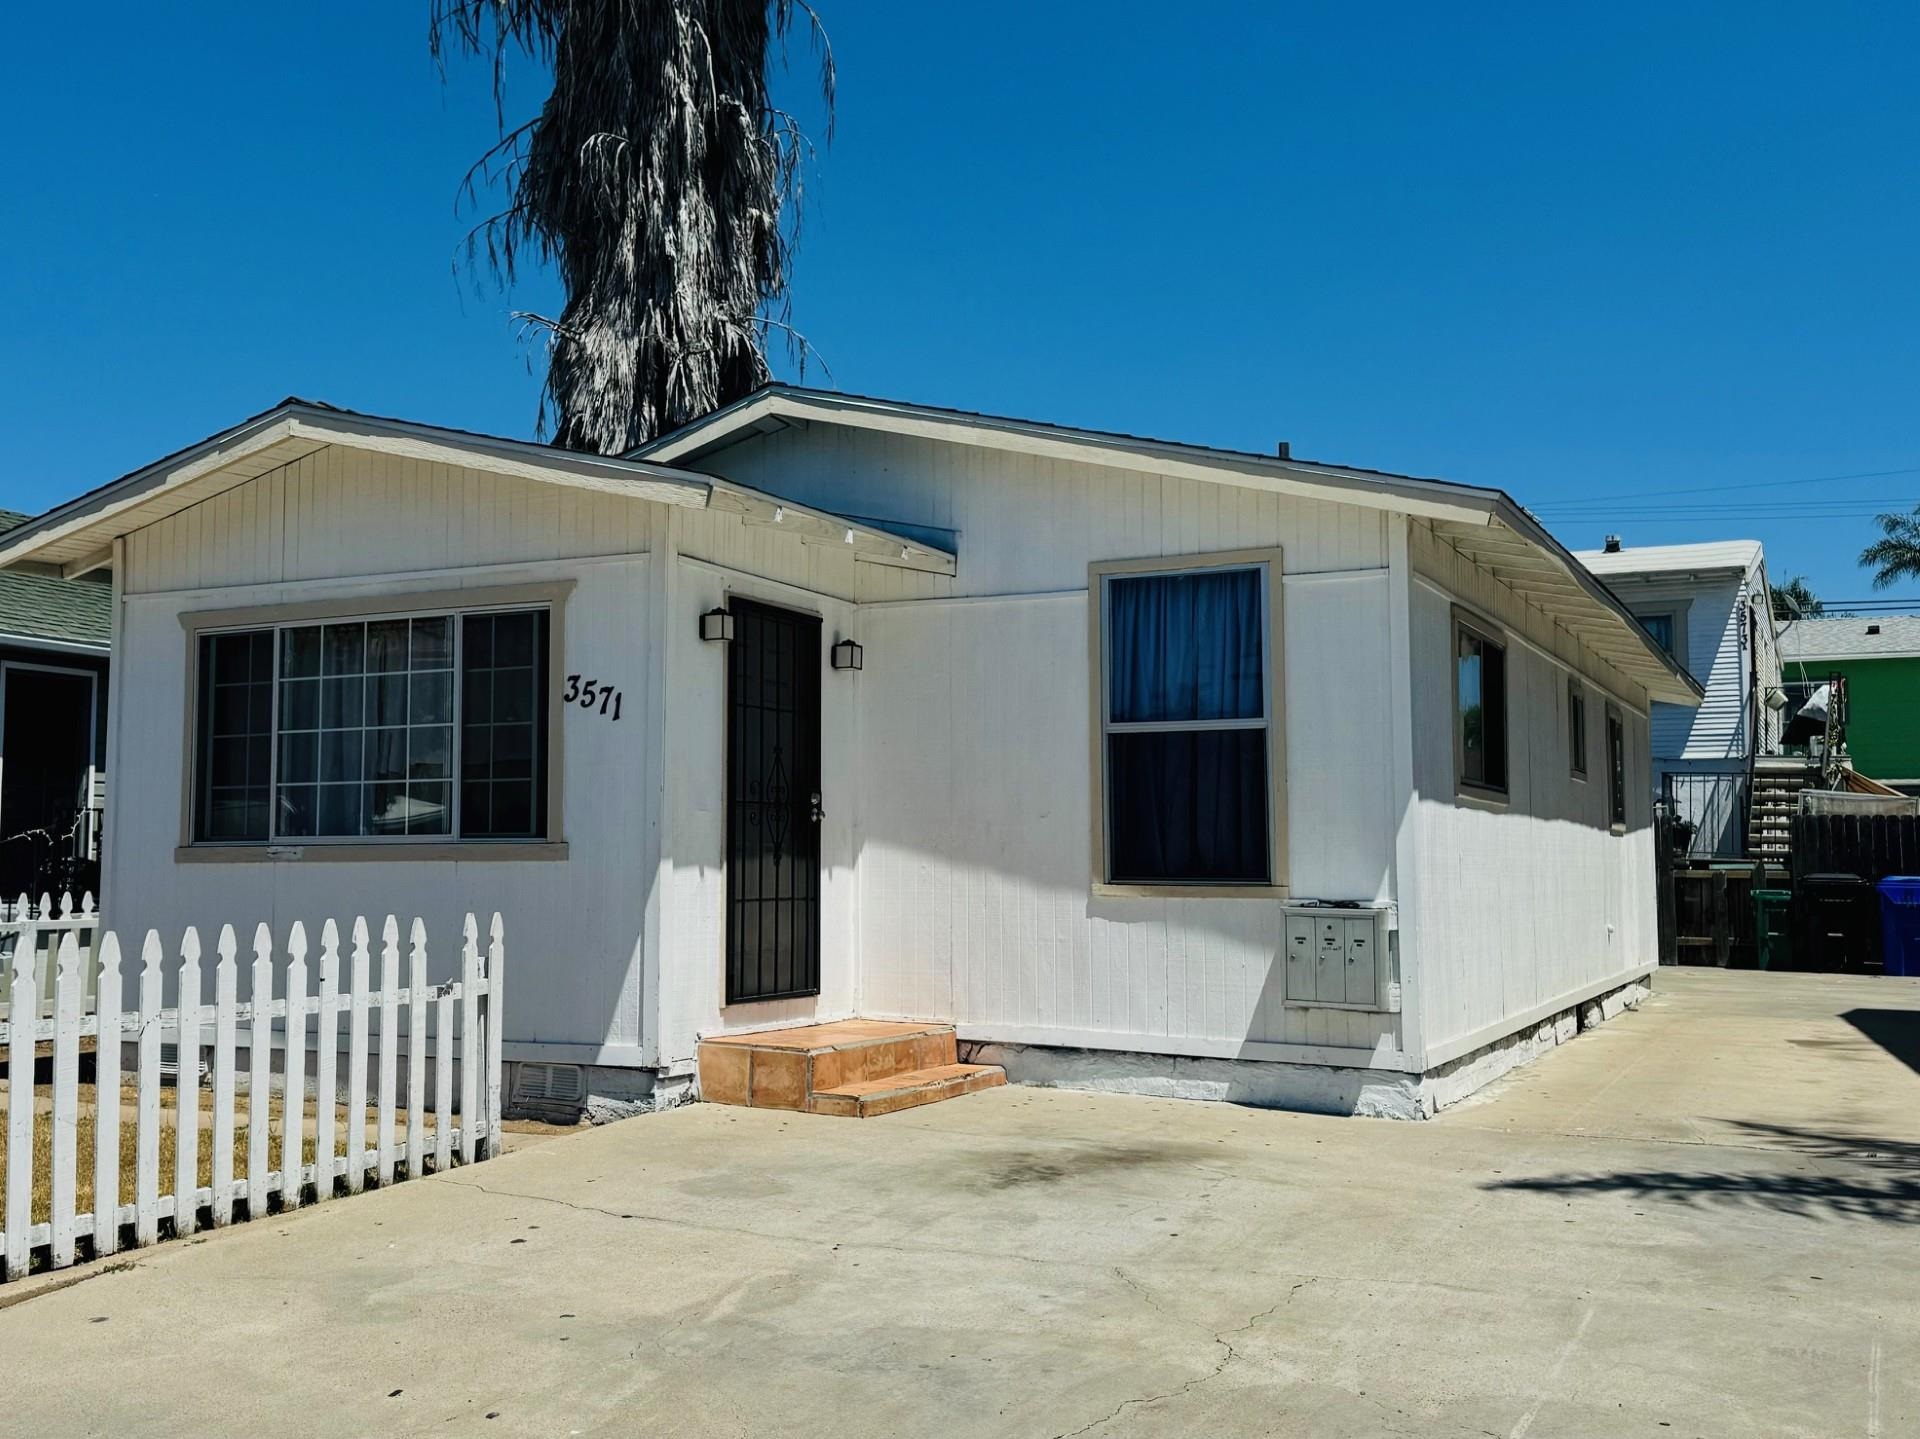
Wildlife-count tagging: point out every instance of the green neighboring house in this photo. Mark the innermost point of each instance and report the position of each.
(1880, 656)
(55, 630)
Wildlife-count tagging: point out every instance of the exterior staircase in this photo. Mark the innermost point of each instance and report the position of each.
(857, 1068)
(1777, 782)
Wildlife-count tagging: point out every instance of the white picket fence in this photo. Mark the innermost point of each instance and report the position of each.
(465, 1031)
(47, 921)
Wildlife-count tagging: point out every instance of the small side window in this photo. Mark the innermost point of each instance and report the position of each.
(1616, 768)
(1480, 710)
(1576, 729)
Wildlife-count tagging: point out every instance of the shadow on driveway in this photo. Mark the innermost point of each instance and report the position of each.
(1882, 1184)
(1895, 1030)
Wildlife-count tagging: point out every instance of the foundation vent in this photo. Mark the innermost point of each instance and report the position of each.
(549, 1086)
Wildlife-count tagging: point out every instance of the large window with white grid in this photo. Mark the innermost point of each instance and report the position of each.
(403, 727)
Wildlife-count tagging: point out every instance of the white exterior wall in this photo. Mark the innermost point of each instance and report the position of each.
(957, 768)
(1520, 910)
(976, 788)
(339, 525)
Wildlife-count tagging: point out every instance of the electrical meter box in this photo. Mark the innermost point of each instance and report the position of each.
(1340, 956)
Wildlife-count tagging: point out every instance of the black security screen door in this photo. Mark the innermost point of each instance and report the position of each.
(773, 811)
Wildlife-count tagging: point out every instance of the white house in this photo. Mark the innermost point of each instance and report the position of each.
(1142, 763)
(1710, 607)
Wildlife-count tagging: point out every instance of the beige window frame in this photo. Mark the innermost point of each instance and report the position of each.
(1269, 562)
(551, 596)
(1466, 621)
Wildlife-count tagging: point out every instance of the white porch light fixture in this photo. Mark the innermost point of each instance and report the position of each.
(717, 624)
(847, 655)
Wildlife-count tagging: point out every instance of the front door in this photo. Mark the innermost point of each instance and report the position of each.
(46, 756)
(773, 803)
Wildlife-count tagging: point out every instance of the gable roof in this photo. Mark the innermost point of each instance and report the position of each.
(1718, 556)
(76, 537)
(1486, 525)
(1847, 638)
(75, 613)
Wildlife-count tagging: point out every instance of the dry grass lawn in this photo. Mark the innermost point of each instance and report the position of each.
(129, 1140)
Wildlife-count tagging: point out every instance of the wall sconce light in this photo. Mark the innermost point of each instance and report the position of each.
(717, 624)
(848, 655)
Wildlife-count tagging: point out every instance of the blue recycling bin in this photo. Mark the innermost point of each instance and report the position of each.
(1900, 924)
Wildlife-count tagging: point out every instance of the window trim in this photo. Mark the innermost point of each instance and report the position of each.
(1273, 657)
(1579, 756)
(551, 596)
(1487, 632)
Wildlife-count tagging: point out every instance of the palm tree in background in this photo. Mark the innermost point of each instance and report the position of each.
(661, 182)
(1896, 554)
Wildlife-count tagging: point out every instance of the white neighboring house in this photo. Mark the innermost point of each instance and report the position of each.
(1146, 764)
(1710, 607)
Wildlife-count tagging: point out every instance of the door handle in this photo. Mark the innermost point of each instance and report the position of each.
(815, 813)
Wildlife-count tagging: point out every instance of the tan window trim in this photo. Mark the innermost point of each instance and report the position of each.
(553, 594)
(1276, 887)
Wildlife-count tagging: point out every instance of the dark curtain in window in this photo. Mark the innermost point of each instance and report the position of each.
(1185, 647)
(1187, 805)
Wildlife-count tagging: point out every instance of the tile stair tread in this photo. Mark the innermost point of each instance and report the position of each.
(911, 1079)
(838, 1034)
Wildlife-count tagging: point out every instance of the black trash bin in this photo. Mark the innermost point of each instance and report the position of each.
(1839, 924)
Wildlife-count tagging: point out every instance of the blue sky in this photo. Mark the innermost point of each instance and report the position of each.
(1611, 257)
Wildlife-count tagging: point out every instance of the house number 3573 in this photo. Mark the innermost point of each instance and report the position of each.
(591, 694)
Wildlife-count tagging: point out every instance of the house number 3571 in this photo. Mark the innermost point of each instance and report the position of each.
(591, 694)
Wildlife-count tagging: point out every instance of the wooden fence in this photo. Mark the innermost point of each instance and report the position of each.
(47, 922)
(1871, 846)
(465, 1030)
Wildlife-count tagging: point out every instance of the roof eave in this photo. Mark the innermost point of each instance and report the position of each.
(1673, 684)
(94, 515)
(297, 421)
(768, 408)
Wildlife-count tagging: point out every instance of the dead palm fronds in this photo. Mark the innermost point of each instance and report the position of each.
(661, 182)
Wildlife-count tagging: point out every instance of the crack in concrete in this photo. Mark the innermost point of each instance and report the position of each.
(829, 1245)
(1219, 1337)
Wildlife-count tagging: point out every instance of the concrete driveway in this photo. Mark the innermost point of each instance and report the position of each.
(1703, 1219)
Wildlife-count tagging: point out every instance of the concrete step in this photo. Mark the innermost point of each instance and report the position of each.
(869, 1097)
(787, 1068)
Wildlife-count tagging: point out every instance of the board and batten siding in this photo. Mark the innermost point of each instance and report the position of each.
(351, 527)
(975, 792)
(975, 832)
(1517, 907)
(339, 513)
